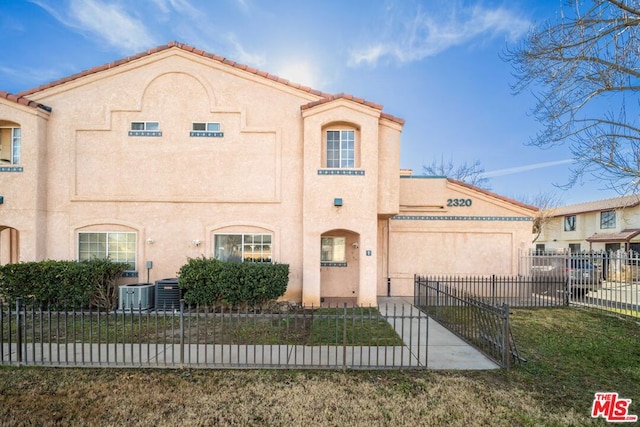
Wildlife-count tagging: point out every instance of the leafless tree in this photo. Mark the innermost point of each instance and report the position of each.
(584, 70)
(546, 202)
(465, 172)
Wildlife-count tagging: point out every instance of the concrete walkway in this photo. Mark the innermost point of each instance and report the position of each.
(443, 351)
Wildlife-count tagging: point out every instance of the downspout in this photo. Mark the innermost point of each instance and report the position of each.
(387, 256)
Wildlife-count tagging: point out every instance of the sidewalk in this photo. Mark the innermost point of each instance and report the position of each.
(445, 350)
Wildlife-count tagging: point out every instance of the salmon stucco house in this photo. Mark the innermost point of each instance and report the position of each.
(176, 153)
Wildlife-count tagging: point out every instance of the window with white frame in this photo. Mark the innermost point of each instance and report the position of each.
(341, 148)
(206, 129)
(10, 145)
(145, 129)
(243, 247)
(116, 246)
(333, 249)
(608, 219)
(570, 223)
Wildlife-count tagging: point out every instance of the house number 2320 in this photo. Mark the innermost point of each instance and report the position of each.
(459, 202)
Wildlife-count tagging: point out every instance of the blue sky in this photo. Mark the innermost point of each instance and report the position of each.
(435, 63)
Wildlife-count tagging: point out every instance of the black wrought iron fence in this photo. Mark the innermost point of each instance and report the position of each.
(282, 336)
(480, 321)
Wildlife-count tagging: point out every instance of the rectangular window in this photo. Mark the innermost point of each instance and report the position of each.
(116, 246)
(333, 249)
(10, 146)
(341, 149)
(574, 247)
(145, 126)
(243, 247)
(570, 223)
(206, 129)
(145, 129)
(608, 219)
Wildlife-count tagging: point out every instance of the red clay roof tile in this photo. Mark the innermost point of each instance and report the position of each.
(23, 101)
(492, 194)
(174, 44)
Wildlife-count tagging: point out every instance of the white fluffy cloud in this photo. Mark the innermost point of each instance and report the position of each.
(412, 35)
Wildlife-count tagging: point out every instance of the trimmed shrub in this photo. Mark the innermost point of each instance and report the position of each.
(62, 283)
(209, 281)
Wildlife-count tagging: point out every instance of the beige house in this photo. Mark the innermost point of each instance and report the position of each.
(176, 153)
(609, 224)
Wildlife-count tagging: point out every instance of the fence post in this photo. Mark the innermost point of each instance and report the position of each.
(493, 289)
(437, 300)
(506, 334)
(181, 331)
(18, 331)
(344, 336)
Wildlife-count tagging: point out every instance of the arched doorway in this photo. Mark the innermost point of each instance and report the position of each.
(339, 265)
(9, 245)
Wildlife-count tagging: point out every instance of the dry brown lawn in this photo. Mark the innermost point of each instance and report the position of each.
(103, 397)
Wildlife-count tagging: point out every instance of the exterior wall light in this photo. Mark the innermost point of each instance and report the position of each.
(196, 242)
(150, 241)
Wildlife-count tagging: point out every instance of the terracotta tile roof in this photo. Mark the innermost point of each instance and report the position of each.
(325, 97)
(492, 194)
(597, 205)
(24, 101)
(328, 98)
(623, 236)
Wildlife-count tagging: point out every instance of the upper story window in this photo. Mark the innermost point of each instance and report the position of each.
(608, 219)
(117, 246)
(206, 129)
(243, 247)
(10, 145)
(145, 129)
(341, 149)
(570, 223)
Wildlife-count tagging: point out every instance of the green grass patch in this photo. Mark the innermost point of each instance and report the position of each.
(573, 353)
(353, 326)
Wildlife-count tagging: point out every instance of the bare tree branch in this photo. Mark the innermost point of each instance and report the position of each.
(582, 69)
(469, 173)
(546, 202)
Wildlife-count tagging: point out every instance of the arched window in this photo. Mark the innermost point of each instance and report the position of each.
(341, 146)
(10, 145)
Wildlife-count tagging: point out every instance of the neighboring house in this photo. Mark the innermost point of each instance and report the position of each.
(176, 153)
(610, 224)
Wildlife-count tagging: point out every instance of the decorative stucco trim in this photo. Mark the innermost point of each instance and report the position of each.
(206, 134)
(358, 172)
(332, 264)
(11, 169)
(145, 133)
(459, 218)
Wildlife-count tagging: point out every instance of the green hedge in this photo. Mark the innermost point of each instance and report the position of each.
(209, 281)
(62, 283)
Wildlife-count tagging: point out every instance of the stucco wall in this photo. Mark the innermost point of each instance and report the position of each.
(587, 224)
(430, 236)
(23, 185)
